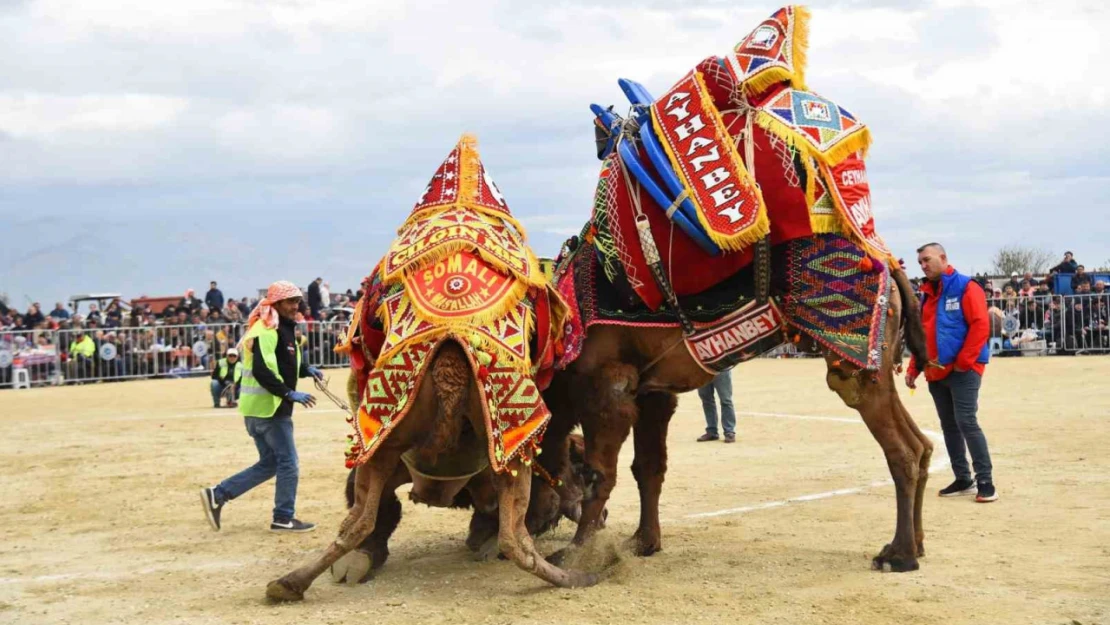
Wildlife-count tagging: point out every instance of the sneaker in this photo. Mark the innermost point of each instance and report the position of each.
(730, 437)
(986, 493)
(211, 508)
(292, 527)
(707, 437)
(957, 488)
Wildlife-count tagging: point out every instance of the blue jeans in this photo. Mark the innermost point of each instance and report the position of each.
(957, 401)
(723, 385)
(277, 455)
(217, 389)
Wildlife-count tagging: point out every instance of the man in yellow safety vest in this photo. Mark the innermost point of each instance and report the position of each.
(271, 365)
(228, 373)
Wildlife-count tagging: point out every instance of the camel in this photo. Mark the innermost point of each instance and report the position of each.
(634, 375)
(450, 401)
(446, 414)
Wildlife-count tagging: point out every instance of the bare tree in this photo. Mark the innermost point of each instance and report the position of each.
(1019, 258)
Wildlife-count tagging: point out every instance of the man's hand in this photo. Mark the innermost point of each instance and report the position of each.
(911, 380)
(316, 373)
(303, 399)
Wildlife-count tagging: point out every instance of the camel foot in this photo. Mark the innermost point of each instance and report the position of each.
(890, 562)
(921, 549)
(645, 547)
(559, 557)
(280, 591)
(356, 567)
(489, 550)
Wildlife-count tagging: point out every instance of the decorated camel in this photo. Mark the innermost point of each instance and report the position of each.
(468, 323)
(732, 215)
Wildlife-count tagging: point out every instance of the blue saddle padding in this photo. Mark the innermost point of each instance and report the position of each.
(631, 160)
(608, 120)
(637, 94)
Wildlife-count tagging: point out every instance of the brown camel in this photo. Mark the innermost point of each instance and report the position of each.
(633, 375)
(446, 415)
(547, 505)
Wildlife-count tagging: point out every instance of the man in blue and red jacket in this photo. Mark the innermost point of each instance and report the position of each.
(954, 313)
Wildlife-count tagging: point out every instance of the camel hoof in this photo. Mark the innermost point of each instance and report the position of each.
(921, 550)
(580, 579)
(645, 548)
(355, 567)
(488, 551)
(559, 557)
(894, 564)
(280, 591)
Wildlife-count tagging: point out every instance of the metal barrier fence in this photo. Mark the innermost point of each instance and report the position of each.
(1050, 324)
(48, 357)
(1027, 326)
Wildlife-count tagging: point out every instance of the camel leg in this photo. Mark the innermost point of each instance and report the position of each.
(873, 400)
(650, 465)
(360, 486)
(926, 454)
(605, 432)
(357, 566)
(513, 493)
(293, 585)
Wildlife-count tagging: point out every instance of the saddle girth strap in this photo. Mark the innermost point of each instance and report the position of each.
(763, 270)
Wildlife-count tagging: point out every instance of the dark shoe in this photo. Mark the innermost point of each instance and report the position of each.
(730, 437)
(707, 437)
(211, 508)
(957, 488)
(291, 527)
(986, 493)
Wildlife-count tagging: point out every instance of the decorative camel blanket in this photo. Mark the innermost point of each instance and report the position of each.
(689, 165)
(826, 288)
(459, 270)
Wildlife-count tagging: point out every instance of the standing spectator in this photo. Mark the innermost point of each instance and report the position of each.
(245, 308)
(722, 384)
(1081, 277)
(1068, 265)
(34, 317)
(113, 315)
(314, 300)
(325, 295)
(1030, 315)
(956, 340)
(1028, 277)
(190, 303)
(214, 298)
(1026, 289)
(81, 352)
(1014, 283)
(60, 313)
(94, 313)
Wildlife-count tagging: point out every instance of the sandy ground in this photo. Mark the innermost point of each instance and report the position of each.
(101, 520)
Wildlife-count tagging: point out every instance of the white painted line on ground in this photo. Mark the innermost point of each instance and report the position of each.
(939, 462)
(935, 466)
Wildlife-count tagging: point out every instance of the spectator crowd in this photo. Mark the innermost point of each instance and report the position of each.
(1025, 310)
(155, 339)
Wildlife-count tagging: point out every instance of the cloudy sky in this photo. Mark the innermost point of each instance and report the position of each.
(147, 147)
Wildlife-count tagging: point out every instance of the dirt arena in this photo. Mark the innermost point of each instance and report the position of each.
(102, 524)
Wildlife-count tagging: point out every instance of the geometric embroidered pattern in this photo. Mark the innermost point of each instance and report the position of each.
(814, 124)
(834, 301)
(772, 53)
(516, 416)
